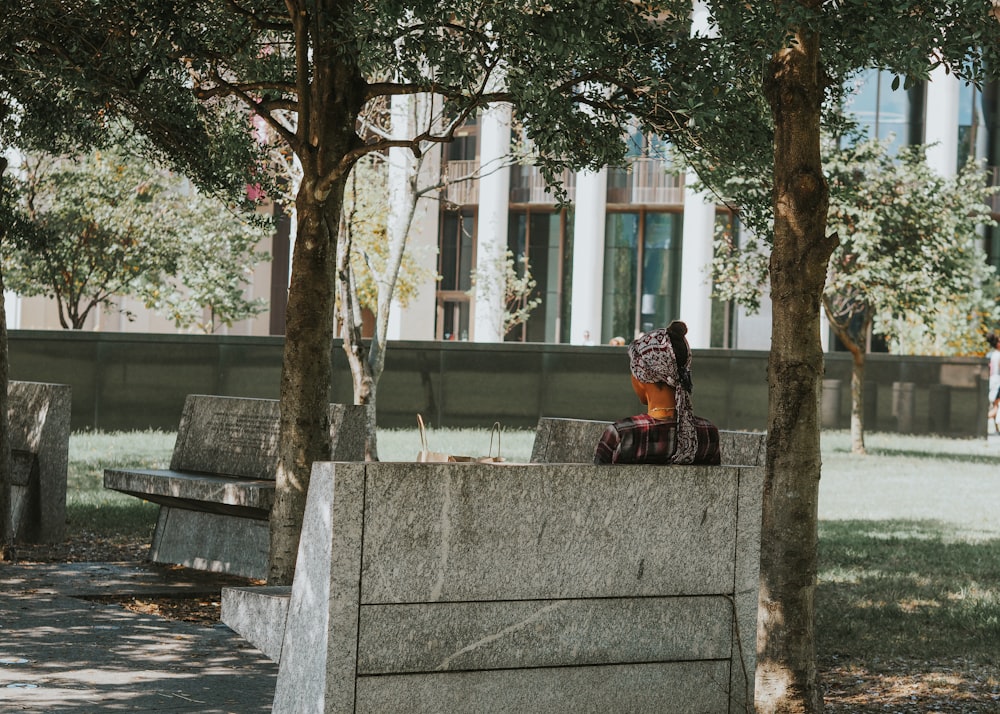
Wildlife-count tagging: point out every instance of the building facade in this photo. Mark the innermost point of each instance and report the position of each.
(630, 253)
(633, 251)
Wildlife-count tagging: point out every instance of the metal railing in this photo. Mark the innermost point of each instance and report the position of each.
(645, 181)
(528, 186)
(461, 182)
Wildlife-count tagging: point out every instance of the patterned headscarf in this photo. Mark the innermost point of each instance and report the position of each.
(652, 360)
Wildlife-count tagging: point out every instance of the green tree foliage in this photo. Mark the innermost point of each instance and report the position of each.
(576, 72)
(102, 227)
(310, 71)
(908, 256)
(517, 286)
(366, 205)
(806, 50)
(70, 73)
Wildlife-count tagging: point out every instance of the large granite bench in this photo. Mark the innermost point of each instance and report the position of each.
(572, 441)
(515, 588)
(39, 417)
(215, 499)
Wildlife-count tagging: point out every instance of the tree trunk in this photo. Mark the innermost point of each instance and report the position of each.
(786, 668)
(305, 373)
(858, 350)
(363, 381)
(858, 402)
(6, 482)
(331, 92)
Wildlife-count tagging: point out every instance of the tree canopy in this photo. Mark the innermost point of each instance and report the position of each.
(103, 226)
(577, 72)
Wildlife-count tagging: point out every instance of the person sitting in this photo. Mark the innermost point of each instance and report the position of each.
(669, 432)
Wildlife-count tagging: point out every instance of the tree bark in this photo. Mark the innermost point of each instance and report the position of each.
(786, 667)
(858, 402)
(6, 482)
(858, 352)
(330, 94)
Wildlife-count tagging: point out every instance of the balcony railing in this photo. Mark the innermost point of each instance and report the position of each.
(528, 186)
(460, 186)
(645, 181)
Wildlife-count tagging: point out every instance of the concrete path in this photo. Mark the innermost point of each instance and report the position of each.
(60, 652)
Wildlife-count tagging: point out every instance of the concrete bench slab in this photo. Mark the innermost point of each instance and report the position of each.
(521, 587)
(559, 440)
(216, 497)
(39, 419)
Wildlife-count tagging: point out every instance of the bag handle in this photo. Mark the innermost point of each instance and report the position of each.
(423, 433)
(496, 430)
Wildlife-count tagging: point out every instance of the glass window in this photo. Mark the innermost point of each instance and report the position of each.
(723, 331)
(879, 109)
(453, 318)
(970, 123)
(455, 256)
(536, 234)
(658, 302)
(541, 236)
(455, 269)
(621, 250)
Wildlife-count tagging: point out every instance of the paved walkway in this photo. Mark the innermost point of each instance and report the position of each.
(60, 652)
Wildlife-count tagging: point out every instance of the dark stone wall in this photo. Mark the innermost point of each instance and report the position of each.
(125, 381)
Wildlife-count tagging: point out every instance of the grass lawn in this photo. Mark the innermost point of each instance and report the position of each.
(908, 606)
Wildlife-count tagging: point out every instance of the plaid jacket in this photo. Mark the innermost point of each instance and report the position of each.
(641, 439)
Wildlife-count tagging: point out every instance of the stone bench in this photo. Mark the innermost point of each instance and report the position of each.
(572, 441)
(39, 417)
(215, 499)
(514, 588)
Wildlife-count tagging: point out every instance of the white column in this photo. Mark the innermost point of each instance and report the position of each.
(402, 174)
(406, 176)
(491, 226)
(588, 256)
(941, 126)
(699, 232)
(696, 263)
(12, 309)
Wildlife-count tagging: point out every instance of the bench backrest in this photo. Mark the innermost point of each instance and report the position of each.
(235, 436)
(572, 441)
(524, 587)
(39, 420)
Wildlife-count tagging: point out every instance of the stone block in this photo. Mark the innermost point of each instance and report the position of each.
(523, 587)
(215, 542)
(216, 497)
(573, 441)
(258, 615)
(39, 420)
(426, 532)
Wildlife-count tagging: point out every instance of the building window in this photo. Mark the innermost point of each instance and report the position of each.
(886, 113)
(640, 299)
(455, 268)
(661, 240)
(621, 251)
(723, 331)
(971, 137)
(537, 235)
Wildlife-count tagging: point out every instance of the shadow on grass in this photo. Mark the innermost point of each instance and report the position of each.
(126, 518)
(990, 459)
(907, 589)
(986, 458)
